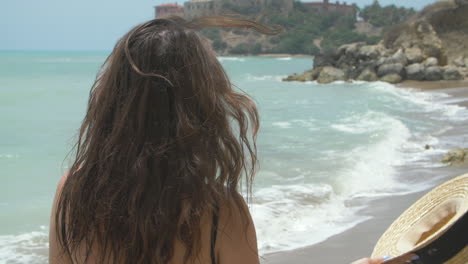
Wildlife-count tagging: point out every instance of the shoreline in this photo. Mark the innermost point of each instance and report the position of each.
(272, 55)
(433, 85)
(284, 55)
(358, 241)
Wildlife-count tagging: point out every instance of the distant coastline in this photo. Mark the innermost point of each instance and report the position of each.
(431, 46)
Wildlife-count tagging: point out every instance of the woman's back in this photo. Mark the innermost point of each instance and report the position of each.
(165, 141)
(224, 239)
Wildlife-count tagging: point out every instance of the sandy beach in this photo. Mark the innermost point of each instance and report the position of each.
(359, 241)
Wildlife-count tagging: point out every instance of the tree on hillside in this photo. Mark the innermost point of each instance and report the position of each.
(386, 16)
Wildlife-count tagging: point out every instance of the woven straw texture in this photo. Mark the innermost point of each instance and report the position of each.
(455, 188)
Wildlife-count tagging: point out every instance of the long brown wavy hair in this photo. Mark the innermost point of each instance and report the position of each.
(166, 136)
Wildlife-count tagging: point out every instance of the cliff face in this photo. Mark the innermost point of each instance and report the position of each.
(431, 46)
(452, 28)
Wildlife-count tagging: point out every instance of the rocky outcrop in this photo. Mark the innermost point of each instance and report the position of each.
(452, 74)
(410, 51)
(391, 78)
(433, 73)
(414, 55)
(390, 68)
(415, 72)
(456, 156)
(330, 74)
(368, 75)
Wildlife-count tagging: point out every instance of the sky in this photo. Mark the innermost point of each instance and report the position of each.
(89, 24)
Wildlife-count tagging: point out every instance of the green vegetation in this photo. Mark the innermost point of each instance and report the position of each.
(387, 16)
(244, 48)
(240, 9)
(305, 31)
(303, 26)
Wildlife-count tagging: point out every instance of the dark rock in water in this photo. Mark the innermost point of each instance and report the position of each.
(431, 61)
(386, 69)
(304, 77)
(330, 74)
(427, 147)
(391, 78)
(414, 55)
(368, 75)
(315, 73)
(456, 156)
(291, 78)
(415, 72)
(452, 74)
(433, 73)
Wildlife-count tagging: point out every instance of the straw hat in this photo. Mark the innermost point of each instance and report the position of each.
(426, 220)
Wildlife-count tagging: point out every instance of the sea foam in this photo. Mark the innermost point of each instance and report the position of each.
(26, 248)
(238, 59)
(293, 216)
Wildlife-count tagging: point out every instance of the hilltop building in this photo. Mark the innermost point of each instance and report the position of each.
(196, 8)
(327, 7)
(166, 10)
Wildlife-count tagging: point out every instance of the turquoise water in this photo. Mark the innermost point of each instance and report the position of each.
(319, 145)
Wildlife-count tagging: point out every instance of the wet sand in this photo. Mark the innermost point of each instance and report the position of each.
(359, 241)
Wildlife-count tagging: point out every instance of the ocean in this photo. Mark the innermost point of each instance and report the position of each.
(321, 147)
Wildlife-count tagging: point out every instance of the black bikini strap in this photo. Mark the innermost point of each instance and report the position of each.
(214, 233)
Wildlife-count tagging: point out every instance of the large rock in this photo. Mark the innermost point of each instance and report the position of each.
(346, 62)
(304, 77)
(349, 49)
(331, 74)
(452, 74)
(294, 77)
(391, 78)
(459, 62)
(429, 62)
(368, 75)
(414, 55)
(433, 73)
(386, 69)
(369, 52)
(456, 156)
(415, 72)
(398, 57)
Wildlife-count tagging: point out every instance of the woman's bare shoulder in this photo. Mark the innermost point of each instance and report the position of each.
(236, 239)
(55, 252)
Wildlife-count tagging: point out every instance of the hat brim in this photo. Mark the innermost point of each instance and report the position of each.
(448, 202)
